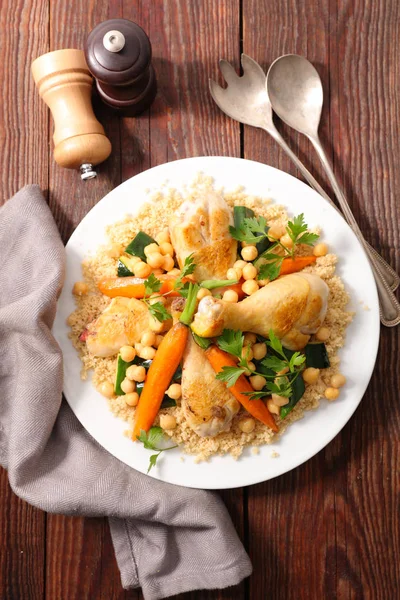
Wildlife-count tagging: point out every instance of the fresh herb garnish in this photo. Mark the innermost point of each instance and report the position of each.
(150, 441)
(297, 231)
(152, 285)
(251, 231)
(204, 343)
(280, 371)
(188, 268)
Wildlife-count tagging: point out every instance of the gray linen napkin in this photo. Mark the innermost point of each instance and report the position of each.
(167, 539)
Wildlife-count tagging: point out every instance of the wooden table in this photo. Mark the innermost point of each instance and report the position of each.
(330, 528)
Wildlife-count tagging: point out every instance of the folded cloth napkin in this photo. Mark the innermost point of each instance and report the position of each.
(167, 539)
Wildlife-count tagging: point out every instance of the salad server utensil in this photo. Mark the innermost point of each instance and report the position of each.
(246, 100)
(295, 91)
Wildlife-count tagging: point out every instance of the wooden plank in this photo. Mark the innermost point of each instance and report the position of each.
(23, 139)
(324, 524)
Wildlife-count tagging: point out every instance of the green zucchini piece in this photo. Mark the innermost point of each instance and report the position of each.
(298, 391)
(138, 244)
(122, 270)
(167, 402)
(242, 212)
(120, 375)
(317, 356)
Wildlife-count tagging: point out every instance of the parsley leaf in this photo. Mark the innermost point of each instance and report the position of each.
(159, 312)
(150, 441)
(296, 360)
(152, 285)
(188, 268)
(274, 363)
(275, 344)
(297, 231)
(270, 270)
(231, 341)
(230, 375)
(252, 230)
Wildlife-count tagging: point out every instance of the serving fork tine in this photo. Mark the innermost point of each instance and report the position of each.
(246, 100)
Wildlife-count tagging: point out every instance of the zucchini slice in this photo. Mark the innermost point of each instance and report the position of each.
(317, 356)
(125, 266)
(120, 375)
(138, 244)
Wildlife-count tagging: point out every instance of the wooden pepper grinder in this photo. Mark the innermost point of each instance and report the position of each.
(118, 53)
(65, 84)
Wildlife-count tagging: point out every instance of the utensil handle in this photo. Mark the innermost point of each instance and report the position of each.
(389, 306)
(389, 274)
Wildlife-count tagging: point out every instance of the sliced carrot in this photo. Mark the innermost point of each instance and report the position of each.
(293, 265)
(159, 376)
(219, 359)
(133, 287)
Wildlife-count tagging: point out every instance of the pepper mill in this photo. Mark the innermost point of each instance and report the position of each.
(65, 84)
(118, 54)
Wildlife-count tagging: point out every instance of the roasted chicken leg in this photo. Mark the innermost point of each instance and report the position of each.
(202, 227)
(293, 306)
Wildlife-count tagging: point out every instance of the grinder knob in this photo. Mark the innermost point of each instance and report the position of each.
(118, 54)
(65, 84)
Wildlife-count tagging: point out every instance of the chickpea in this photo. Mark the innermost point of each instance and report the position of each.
(175, 272)
(155, 260)
(142, 270)
(250, 287)
(156, 325)
(257, 382)
(249, 272)
(272, 407)
(323, 334)
(331, 393)
(234, 273)
(174, 391)
(230, 296)
(167, 422)
(106, 389)
(147, 353)
(151, 248)
(134, 260)
(156, 298)
(158, 272)
(283, 371)
(311, 375)
(247, 353)
(320, 249)
(136, 373)
(247, 424)
(279, 400)
(138, 348)
(202, 293)
(252, 367)
(239, 264)
(132, 398)
(249, 253)
(127, 353)
(169, 263)
(338, 380)
(167, 248)
(148, 338)
(128, 386)
(262, 282)
(249, 339)
(276, 231)
(259, 351)
(286, 240)
(159, 339)
(163, 237)
(80, 288)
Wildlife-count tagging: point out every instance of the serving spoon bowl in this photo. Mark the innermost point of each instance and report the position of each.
(295, 91)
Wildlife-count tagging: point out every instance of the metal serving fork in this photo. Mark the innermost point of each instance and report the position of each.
(246, 100)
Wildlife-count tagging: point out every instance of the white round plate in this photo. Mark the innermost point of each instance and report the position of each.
(304, 438)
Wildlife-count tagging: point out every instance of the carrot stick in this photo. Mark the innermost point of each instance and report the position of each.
(293, 265)
(159, 375)
(133, 287)
(219, 359)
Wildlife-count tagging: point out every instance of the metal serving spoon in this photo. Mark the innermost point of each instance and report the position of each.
(295, 91)
(246, 100)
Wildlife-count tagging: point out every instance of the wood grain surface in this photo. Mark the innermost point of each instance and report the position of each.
(330, 528)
